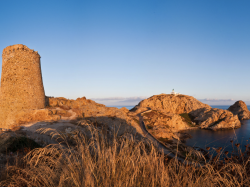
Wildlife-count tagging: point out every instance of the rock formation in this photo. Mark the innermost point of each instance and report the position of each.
(88, 109)
(240, 108)
(21, 83)
(170, 103)
(164, 125)
(193, 112)
(215, 119)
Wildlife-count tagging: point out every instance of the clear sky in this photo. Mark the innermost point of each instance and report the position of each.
(119, 52)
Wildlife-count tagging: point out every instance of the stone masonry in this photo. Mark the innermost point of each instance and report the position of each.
(21, 83)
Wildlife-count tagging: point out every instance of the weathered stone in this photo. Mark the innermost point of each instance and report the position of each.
(21, 83)
(215, 119)
(27, 116)
(197, 113)
(112, 117)
(124, 109)
(240, 108)
(171, 103)
(164, 125)
(229, 122)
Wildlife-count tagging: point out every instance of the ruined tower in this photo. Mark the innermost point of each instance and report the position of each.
(21, 83)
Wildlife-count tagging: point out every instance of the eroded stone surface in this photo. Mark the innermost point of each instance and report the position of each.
(87, 109)
(169, 103)
(240, 108)
(194, 113)
(164, 125)
(215, 119)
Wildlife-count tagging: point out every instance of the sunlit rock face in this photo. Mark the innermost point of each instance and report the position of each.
(170, 103)
(201, 115)
(164, 125)
(240, 108)
(117, 120)
(215, 119)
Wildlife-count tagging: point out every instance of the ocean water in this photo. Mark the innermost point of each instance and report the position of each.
(128, 107)
(215, 139)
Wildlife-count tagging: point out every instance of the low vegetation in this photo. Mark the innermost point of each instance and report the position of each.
(166, 140)
(180, 95)
(121, 162)
(137, 121)
(149, 127)
(187, 118)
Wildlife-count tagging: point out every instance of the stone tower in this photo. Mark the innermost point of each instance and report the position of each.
(21, 83)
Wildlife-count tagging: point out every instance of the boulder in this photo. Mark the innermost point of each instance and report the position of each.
(240, 108)
(215, 119)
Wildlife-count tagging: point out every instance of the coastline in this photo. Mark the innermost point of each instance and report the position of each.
(213, 139)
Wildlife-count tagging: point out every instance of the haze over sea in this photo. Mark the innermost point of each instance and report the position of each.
(215, 139)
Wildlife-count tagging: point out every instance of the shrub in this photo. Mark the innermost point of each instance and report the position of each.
(187, 118)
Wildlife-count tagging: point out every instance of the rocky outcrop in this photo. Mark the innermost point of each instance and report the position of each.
(58, 110)
(240, 108)
(111, 117)
(70, 103)
(194, 113)
(215, 119)
(170, 103)
(164, 125)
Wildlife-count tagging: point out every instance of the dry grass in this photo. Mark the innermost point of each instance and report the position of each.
(117, 163)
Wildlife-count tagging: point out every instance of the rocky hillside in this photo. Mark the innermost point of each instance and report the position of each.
(68, 117)
(99, 113)
(192, 111)
(240, 108)
(165, 125)
(170, 103)
(61, 110)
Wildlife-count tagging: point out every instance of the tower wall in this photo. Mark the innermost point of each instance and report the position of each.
(21, 83)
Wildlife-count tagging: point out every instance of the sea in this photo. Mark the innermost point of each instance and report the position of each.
(214, 139)
(223, 138)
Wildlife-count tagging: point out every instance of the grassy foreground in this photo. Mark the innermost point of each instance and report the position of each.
(122, 161)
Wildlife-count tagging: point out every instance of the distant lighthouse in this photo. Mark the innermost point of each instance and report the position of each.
(174, 93)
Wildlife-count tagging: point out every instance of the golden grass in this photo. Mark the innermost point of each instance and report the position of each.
(119, 162)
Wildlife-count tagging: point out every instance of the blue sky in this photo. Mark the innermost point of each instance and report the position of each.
(119, 52)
